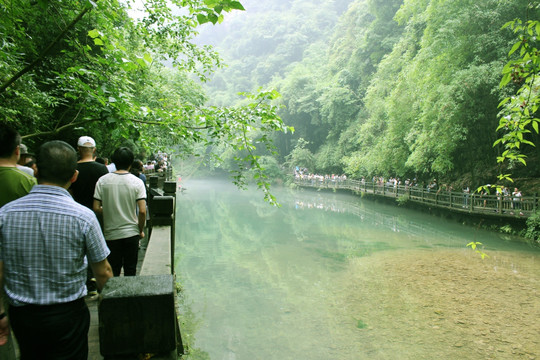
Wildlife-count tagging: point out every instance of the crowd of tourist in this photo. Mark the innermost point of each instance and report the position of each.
(302, 173)
(69, 221)
(511, 200)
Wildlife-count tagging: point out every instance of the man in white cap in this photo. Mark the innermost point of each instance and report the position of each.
(82, 190)
(89, 172)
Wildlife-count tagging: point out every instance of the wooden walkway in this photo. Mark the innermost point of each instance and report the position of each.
(485, 205)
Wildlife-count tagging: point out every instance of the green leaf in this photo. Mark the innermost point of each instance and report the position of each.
(141, 62)
(236, 5)
(202, 19)
(505, 80)
(93, 33)
(510, 23)
(98, 42)
(504, 101)
(515, 47)
(213, 18)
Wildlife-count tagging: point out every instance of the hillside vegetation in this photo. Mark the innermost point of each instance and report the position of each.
(408, 89)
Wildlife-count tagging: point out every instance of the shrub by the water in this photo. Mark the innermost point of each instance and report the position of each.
(533, 228)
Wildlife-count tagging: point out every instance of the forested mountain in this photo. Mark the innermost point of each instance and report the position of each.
(406, 88)
(380, 87)
(266, 40)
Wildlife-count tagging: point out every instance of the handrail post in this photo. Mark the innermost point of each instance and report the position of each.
(169, 189)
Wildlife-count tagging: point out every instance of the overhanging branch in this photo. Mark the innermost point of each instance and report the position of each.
(161, 124)
(60, 129)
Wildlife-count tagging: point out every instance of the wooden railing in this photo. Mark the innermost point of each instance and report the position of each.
(492, 204)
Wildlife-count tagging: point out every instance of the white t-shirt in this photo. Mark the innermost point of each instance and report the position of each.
(111, 167)
(119, 194)
(26, 169)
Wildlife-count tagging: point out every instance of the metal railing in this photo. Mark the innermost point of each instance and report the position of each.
(486, 204)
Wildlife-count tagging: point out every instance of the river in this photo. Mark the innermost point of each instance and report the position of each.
(333, 276)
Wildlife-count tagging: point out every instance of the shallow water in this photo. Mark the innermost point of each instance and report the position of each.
(332, 276)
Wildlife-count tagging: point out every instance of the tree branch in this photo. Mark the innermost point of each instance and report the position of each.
(160, 123)
(59, 129)
(46, 51)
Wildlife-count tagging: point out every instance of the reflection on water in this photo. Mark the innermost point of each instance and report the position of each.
(330, 276)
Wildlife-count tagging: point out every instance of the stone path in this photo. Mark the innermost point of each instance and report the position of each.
(92, 302)
(93, 333)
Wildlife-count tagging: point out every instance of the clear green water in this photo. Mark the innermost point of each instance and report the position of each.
(332, 276)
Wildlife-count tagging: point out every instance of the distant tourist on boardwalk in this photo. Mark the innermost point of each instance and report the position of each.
(516, 200)
(120, 199)
(45, 239)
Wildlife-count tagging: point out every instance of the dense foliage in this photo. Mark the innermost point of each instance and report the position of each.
(403, 88)
(392, 88)
(123, 75)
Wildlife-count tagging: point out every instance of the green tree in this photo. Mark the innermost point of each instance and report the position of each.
(519, 111)
(301, 156)
(434, 96)
(85, 67)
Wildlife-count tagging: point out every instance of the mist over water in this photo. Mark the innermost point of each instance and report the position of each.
(332, 276)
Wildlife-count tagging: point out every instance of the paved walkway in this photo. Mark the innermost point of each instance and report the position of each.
(93, 333)
(92, 302)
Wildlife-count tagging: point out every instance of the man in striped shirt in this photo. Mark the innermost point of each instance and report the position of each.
(45, 239)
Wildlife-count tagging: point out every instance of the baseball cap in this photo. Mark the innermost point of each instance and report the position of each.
(24, 150)
(86, 141)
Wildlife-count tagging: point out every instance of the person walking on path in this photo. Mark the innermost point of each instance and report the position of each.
(45, 239)
(24, 158)
(82, 190)
(15, 183)
(120, 199)
(89, 172)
